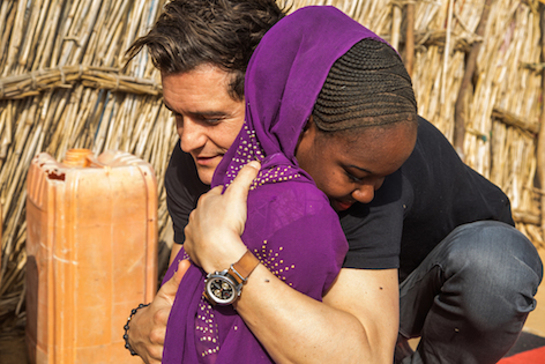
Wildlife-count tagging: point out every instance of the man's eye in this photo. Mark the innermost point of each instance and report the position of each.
(211, 120)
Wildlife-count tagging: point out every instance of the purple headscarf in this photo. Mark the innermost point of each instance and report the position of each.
(291, 228)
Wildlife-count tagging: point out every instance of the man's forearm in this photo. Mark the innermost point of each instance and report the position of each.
(295, 328)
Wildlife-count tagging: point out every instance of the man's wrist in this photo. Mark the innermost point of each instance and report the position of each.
(232, 251)
(128, 345)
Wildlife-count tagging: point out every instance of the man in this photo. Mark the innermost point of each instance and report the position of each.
(443, 276)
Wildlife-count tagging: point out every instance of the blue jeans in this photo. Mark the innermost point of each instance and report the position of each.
(470, 297)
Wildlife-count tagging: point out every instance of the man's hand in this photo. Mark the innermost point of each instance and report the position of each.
(213, 233)
(148, 326)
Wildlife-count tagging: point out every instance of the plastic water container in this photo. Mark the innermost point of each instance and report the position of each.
(92, 254)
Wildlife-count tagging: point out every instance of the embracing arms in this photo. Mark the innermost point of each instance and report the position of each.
(357, 321)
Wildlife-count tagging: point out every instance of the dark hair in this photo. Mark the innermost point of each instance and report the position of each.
(223, 33)
(367, 86)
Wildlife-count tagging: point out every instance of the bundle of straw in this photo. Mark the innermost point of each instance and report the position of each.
(33, 83)
(63, 85)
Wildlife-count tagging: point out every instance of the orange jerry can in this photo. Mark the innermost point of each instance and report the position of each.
(92, 254)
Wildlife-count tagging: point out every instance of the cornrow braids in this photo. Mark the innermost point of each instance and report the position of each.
(367, 86)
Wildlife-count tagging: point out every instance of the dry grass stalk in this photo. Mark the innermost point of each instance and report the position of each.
(408, 54)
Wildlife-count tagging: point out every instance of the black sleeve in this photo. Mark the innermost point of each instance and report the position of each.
(374, 230)
(183, 188)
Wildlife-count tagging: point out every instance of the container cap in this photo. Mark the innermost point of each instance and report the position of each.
(77, 157)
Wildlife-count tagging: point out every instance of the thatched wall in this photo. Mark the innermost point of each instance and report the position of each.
(62, 85)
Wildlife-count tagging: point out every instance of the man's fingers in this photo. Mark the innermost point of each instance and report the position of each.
(242, 182)
(215, 191)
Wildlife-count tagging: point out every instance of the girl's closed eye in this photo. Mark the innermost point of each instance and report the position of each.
(353, 178)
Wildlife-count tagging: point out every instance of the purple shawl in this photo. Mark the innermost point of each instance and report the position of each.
(291, 228)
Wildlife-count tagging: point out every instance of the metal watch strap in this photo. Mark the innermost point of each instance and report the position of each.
(242, 269)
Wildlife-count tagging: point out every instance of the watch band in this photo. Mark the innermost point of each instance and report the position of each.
(242, 269)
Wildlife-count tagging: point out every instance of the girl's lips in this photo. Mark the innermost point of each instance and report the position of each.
(342, 205)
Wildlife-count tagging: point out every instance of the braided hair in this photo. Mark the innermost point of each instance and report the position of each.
(367, 86)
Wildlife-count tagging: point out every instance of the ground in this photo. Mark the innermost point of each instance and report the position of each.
(12, 346)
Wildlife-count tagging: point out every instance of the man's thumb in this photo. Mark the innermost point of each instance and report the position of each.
(171, 286)
(242, 182)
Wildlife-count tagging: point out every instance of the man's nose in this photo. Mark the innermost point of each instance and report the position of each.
(192, 135)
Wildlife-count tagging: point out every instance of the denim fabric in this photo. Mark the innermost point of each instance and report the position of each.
(469, 298)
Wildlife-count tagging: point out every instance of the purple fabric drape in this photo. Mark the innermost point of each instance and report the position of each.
(291, 228)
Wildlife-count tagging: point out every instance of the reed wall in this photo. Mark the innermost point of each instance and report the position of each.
(476, 65)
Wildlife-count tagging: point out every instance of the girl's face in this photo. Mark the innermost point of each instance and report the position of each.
(351, 168)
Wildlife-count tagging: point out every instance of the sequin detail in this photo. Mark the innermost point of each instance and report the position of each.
(249, 150)
(206, 330)
(272, 260)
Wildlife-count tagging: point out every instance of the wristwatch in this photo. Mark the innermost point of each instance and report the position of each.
(223, 288)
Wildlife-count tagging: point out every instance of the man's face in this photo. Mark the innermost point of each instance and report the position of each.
(207, 118)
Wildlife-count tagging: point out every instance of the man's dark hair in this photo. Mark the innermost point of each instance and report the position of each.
(223, 33)
(367, 86)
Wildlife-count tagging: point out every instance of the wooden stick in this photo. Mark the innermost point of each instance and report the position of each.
(515, 121)
(540, 154)
(460, 109)
(446, 51)
(396, 26)
(408, 53)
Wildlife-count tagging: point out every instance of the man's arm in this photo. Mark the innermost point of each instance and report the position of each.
(357, 322)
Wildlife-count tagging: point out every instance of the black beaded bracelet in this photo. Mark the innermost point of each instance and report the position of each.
(126, 327)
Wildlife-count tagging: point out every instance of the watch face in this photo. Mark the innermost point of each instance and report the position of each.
(221, 290)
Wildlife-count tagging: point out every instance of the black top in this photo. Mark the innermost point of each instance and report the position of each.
(419, 205)
(183, 188)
